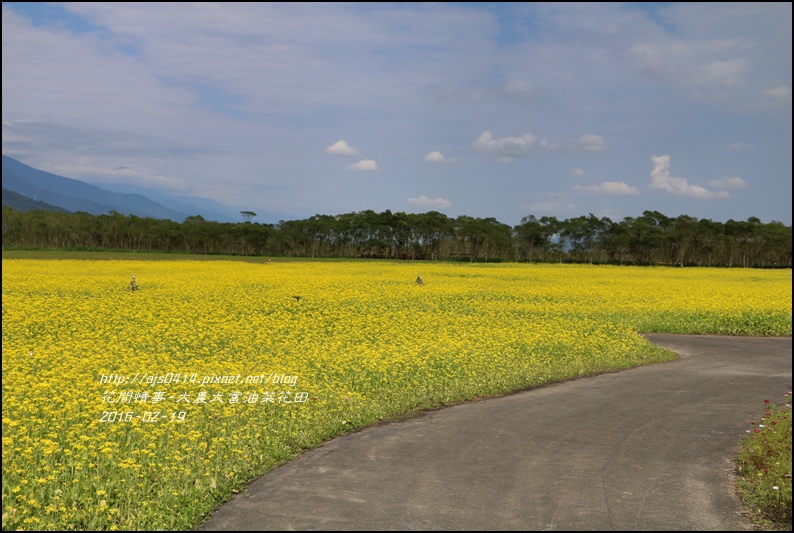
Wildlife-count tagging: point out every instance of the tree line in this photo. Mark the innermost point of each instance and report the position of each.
(650, 239)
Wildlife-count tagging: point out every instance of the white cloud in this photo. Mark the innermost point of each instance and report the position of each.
(364, 164)
(577, 173)
(728, 182)
(589, 143)
(724, 72)
(426, 201)
(611, 188)
(691, 62)
(86, 169)
(552, 207)
(438, 157)
(550, 147)
(663, 181)
(585, 143)
(439, 93)
(519, 89)
(740, 146)
(552, 204)
(505, 147)
(781, 94)
(341, 148)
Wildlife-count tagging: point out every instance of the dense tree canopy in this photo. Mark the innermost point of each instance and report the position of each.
(652, 238)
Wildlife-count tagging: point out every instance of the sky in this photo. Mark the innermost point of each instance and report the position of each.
(499, 110)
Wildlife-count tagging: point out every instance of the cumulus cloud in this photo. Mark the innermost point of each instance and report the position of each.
(551, 203)
(589, 143)
(546, 146)
(518, 89)
(437, 157)
(577, 173)
(585, 143)
(611, 188)
(740, 146)
(426, 201)
(452, 94)
(506, 147)
(691, 62)
(364, 164)
(728, 182)
(782, 93)
(663, 181)
(341, 148)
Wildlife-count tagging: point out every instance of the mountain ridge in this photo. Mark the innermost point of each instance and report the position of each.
(75, 195)
(99, 198)
(20, 202)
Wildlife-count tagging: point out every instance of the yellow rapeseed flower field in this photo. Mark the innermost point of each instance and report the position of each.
(142, 409)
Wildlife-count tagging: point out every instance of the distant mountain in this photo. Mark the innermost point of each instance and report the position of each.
(209, 209)
(23, 203)
(98, 198)
(76, 195)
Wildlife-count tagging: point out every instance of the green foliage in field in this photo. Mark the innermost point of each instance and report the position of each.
(764, 466)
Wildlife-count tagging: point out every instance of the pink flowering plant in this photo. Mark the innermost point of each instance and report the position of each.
(764, 465)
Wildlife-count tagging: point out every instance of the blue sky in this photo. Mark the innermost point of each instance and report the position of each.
(483, 109)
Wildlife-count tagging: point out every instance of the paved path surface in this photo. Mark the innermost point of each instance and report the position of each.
(644, 449)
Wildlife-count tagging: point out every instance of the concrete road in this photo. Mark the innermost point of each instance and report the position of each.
(649, 448)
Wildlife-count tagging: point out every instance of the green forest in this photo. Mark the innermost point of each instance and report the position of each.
(650, 239)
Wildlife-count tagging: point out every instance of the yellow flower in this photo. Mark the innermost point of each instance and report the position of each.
(364, 333)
